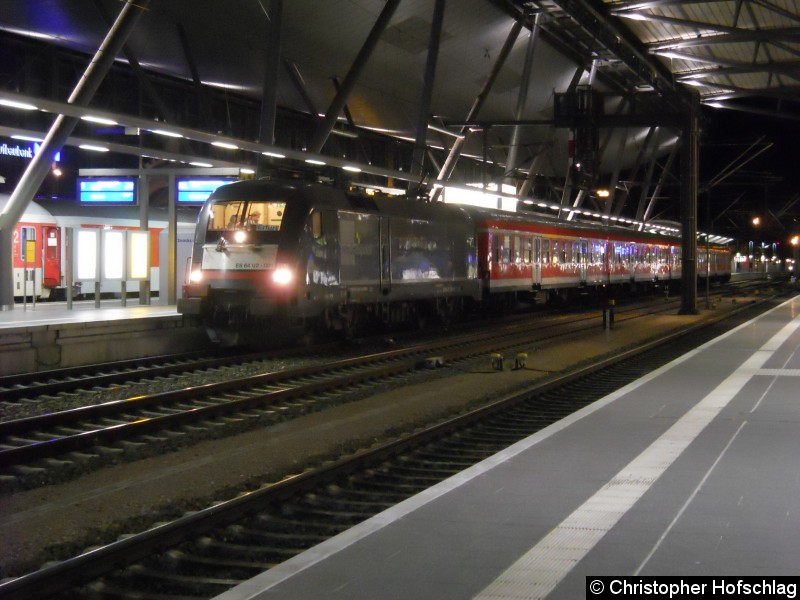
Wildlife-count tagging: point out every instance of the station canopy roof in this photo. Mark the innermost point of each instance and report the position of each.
(199, 67)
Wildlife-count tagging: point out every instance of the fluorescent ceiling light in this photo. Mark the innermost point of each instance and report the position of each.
(201, 164)
(93, 148)
(167, 133)
(225, 145)
(312, 161)
(351, 169)
(19, 105)
(101, 120)
(274, 154)
(246, 171)
(26, 138)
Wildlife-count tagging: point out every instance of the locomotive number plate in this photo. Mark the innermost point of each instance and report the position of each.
(232, 258)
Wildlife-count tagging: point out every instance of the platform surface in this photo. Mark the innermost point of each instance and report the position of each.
(691, 470)
(83, 311)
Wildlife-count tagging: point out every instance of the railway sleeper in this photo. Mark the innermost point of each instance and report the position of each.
(179, 561)
(206, 545)
(157, 583)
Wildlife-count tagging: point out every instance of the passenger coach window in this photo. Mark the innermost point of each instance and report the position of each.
(506, 249)
(527, 252)
(28, 234)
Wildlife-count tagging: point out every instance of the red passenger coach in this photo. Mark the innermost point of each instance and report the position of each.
(36, 254)
(522, 255)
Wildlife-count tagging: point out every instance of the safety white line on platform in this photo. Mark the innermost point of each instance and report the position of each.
(538, 572)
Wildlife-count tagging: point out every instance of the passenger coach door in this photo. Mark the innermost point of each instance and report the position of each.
(583, 255)
(385, 257)
(51, 256)
(537, 262)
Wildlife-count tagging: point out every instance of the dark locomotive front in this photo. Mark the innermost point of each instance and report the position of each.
(270, 256)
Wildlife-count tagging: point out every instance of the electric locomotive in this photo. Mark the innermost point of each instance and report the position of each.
(276, 256)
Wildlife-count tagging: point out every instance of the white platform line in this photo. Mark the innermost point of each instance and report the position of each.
(538, 572)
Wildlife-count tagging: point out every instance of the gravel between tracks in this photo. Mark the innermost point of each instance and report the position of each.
(55, 522)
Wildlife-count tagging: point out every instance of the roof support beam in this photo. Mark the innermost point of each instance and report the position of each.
(141, 75)
(661, 181)
(269, 93)
(202, 95)
(458, 147)
(522, 98)
(59, 132)
(324, 130)
(727, 35)
(648, 178)
(272, 60)
(420, 143)
(297, 80)
(595, 20)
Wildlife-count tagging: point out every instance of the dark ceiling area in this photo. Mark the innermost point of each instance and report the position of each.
(556, 98)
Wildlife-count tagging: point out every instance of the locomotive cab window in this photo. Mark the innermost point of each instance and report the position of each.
(252, 216)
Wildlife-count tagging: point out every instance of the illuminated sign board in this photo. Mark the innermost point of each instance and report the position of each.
(197, 191)
(17, 150)
(107, 191)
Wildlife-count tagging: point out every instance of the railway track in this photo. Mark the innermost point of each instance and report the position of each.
(55, 447)
(207, 552)
(31, 386)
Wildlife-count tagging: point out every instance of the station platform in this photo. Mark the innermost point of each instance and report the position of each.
(49, 335)
(689, 471)
(83, 311)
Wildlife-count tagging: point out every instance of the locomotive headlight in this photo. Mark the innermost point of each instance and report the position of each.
(196, 276)
(282, 275)
(239, 237)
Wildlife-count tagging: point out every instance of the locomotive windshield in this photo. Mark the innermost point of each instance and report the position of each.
(249, 215)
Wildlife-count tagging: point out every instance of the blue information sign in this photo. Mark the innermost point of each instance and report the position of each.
(107, 191)
(197, 191)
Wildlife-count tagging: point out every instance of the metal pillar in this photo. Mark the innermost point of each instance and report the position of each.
(522, 98)
(690, 156)
(324, 130)
(144, 208)
(420, 143)
(458, 147)
(56, 138)
(571, 170)
(266, 134)
(172, 245)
